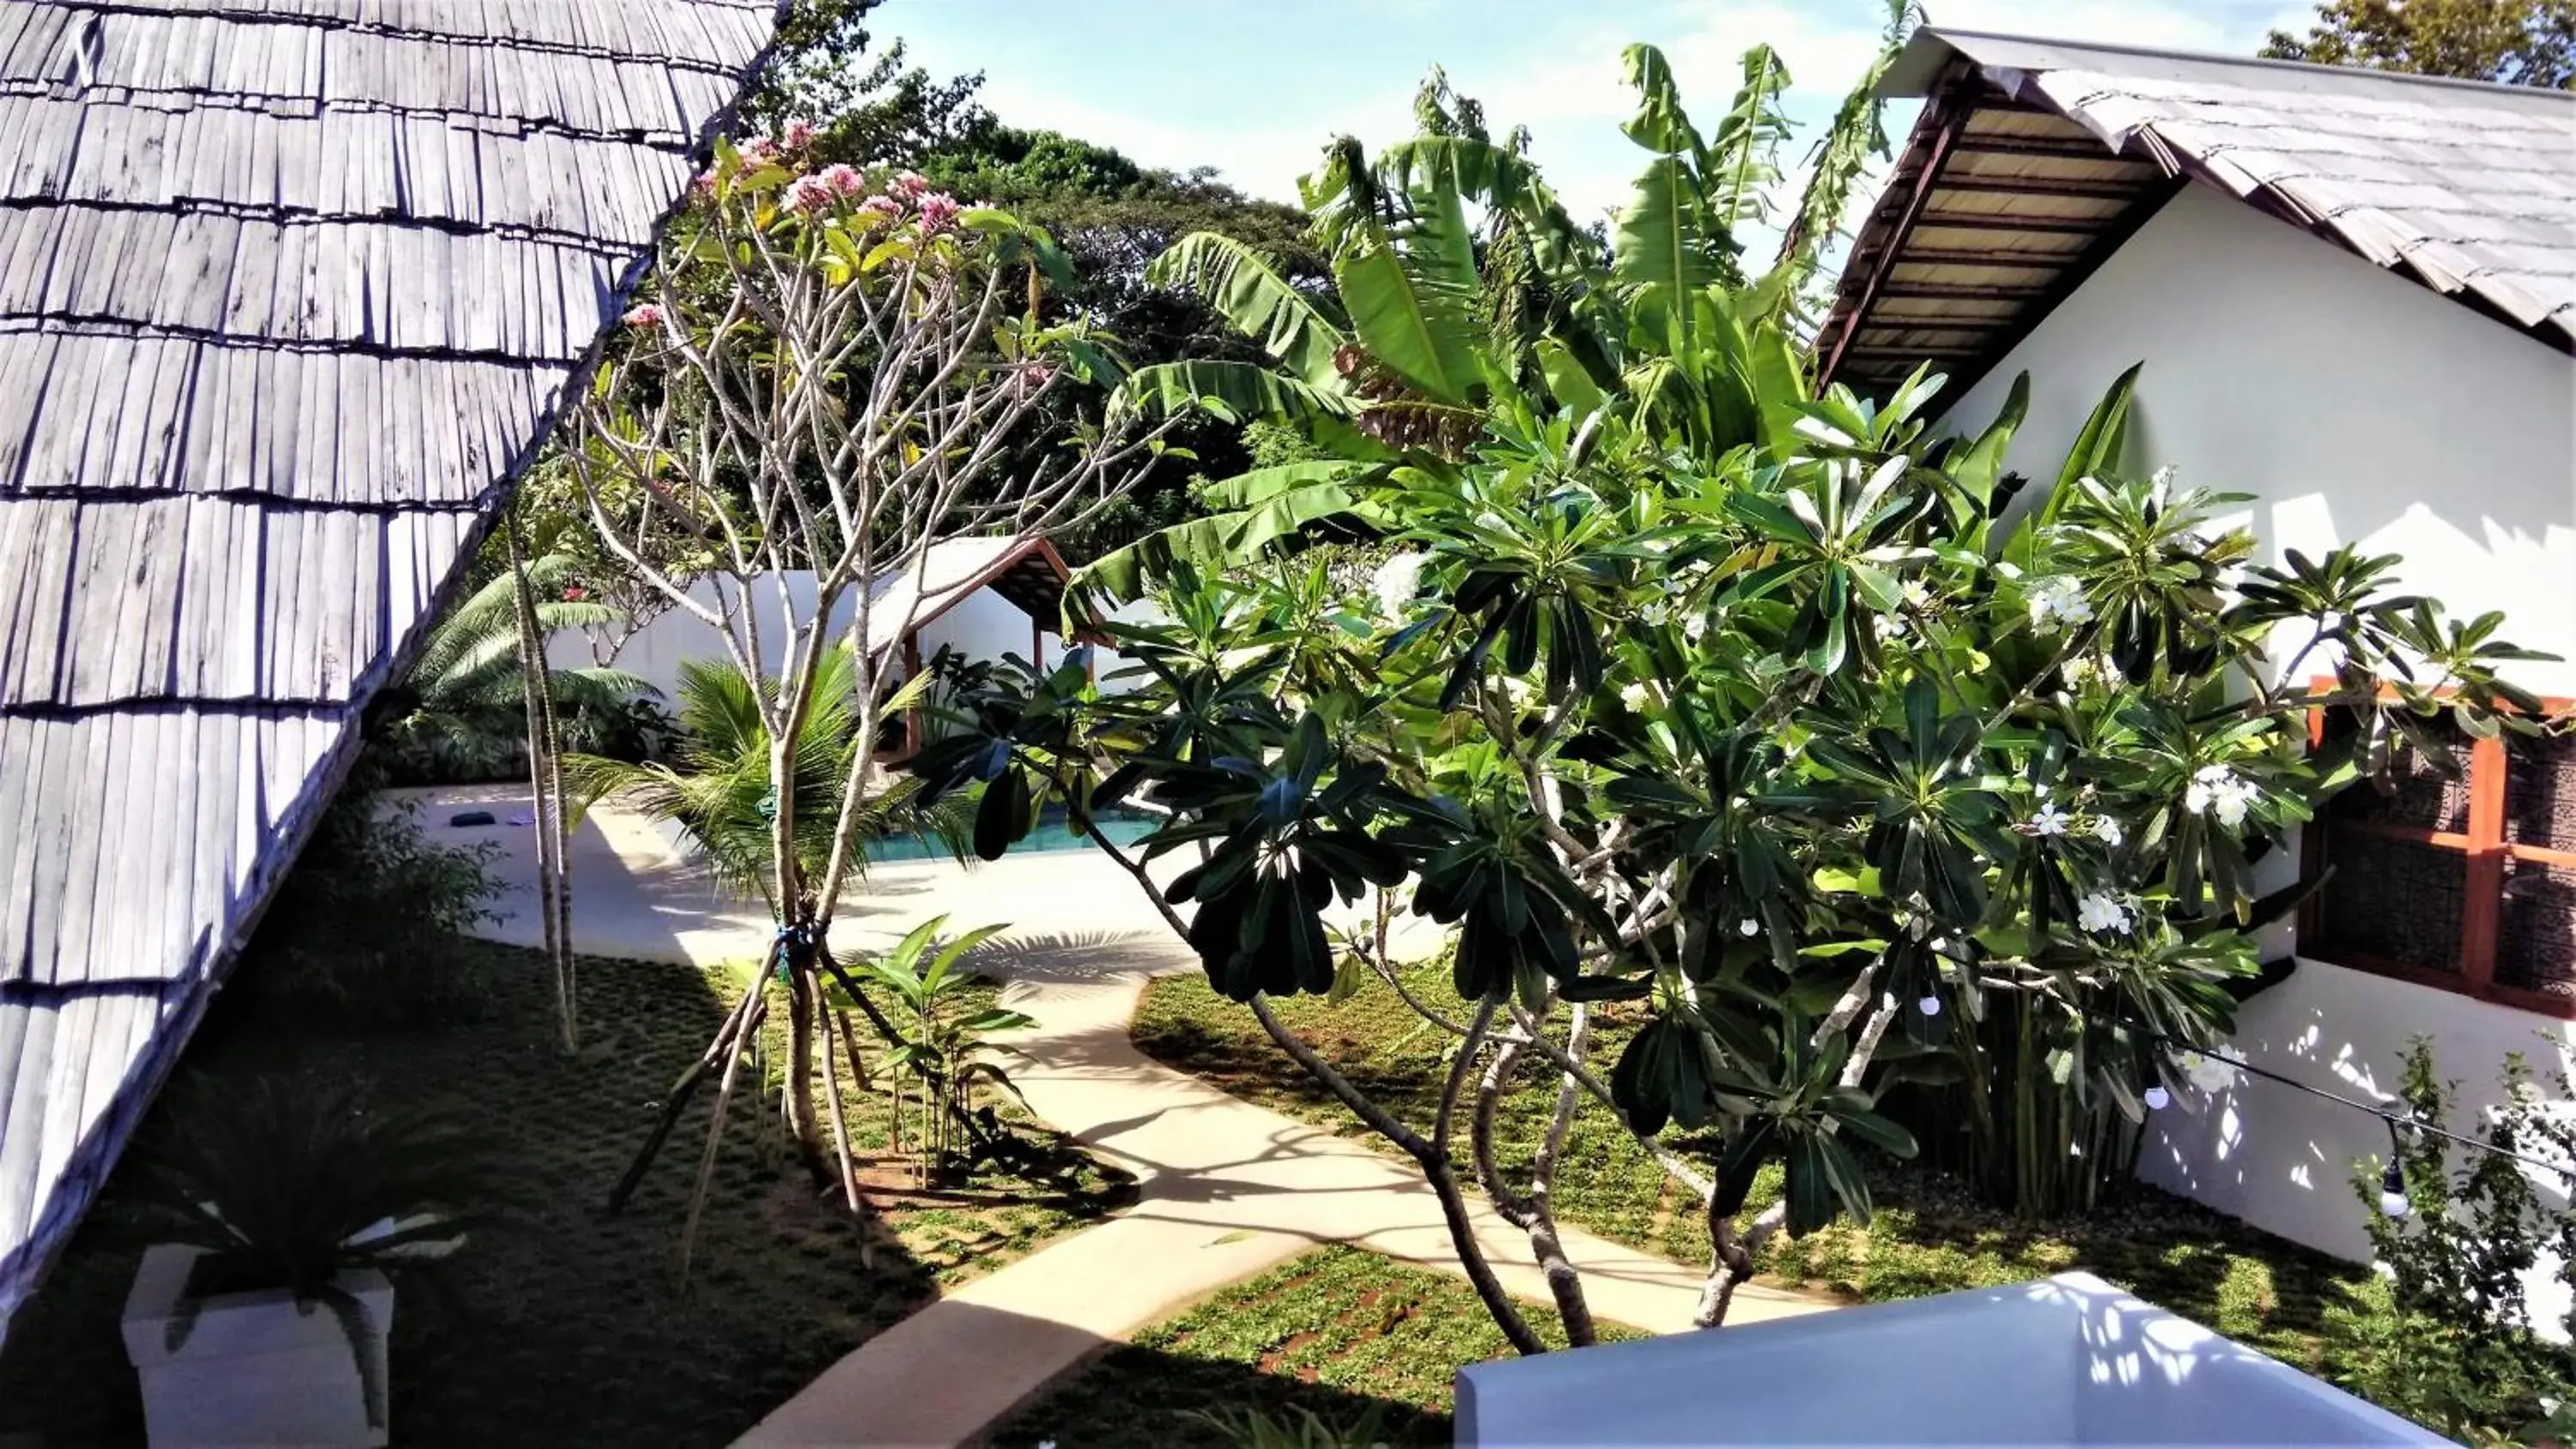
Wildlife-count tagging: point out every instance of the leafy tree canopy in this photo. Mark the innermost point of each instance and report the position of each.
(2519, 42)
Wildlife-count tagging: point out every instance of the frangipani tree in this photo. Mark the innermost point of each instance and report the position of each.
(1764, 720)
(830, 371)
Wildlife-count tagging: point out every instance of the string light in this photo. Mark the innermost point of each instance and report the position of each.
(2393, 1200)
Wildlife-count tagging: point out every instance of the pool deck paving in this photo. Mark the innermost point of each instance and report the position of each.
(1225, 1188)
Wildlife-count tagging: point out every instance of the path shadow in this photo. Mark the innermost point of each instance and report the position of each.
(1079, 958)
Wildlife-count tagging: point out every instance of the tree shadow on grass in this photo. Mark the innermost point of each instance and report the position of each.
(1340, 1333)
(561, 1324)
(1140, 1396)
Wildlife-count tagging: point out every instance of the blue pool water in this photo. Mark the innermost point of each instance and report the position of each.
(1126, 827)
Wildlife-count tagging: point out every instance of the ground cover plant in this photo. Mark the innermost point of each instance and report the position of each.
(557, 1324)
(1340, 1339)
(1927, 1234)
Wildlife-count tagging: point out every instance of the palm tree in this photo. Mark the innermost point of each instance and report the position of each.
(718, 788)
(469, 692)
(1463, 292)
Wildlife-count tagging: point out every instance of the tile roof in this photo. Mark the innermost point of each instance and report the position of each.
(2466, 186)
(1026, 570)
(289, 293)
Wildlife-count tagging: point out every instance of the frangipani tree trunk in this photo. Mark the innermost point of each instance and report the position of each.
(833, 371)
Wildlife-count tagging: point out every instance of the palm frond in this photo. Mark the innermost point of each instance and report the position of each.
(1841, 158)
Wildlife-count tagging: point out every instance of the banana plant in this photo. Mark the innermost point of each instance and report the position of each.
(1462, 287)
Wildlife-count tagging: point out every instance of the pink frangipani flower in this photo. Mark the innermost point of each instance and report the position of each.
(800, 134)
(809, 194)
(643, 314)
(844, 180)
(939, 211)
(909, 184)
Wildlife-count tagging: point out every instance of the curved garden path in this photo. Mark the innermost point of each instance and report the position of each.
(1225, 1188)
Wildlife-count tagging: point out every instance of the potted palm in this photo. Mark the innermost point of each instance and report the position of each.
(277, 1217)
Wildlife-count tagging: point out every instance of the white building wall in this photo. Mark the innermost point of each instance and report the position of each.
(983, 625)
(655, 652)
(2356, 406)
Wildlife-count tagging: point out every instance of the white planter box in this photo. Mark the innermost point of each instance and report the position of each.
(254, 1369)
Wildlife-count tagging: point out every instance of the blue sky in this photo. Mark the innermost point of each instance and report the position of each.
(1255, 89)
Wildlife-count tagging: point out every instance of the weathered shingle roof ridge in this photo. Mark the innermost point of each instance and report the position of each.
(290, 292)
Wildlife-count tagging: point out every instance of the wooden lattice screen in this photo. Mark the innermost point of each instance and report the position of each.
(2462, 881)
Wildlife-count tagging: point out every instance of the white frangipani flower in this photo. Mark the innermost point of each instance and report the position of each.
(2050, 820)
(1917, 594)
(2221, 793)
(1748, 928)
(2106, 830)
(2056, 600)
(1636, 696)
(1396, 581)
(2099, 911)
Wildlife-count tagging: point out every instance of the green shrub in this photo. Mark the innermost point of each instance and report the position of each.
(363, 930)
(2462, 1352)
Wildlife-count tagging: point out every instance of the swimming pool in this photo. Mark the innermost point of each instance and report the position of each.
(1126, 827)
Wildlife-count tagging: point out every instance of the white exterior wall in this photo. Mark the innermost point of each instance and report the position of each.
(2356, 406)
(983, 625)
(671, 638)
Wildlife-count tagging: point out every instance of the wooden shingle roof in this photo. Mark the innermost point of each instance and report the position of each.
(2034, 159)
(290, 291)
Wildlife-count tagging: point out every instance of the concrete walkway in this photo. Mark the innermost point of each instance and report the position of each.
(1226, 1188)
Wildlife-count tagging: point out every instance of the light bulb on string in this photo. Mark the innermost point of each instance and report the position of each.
(2393, 1202)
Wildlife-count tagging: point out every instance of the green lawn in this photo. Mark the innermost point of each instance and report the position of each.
(1342, 1334)
(2311, 1310)
(562, 1325)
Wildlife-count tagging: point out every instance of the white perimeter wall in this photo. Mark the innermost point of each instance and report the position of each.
(983, 625)
(2356, 406)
